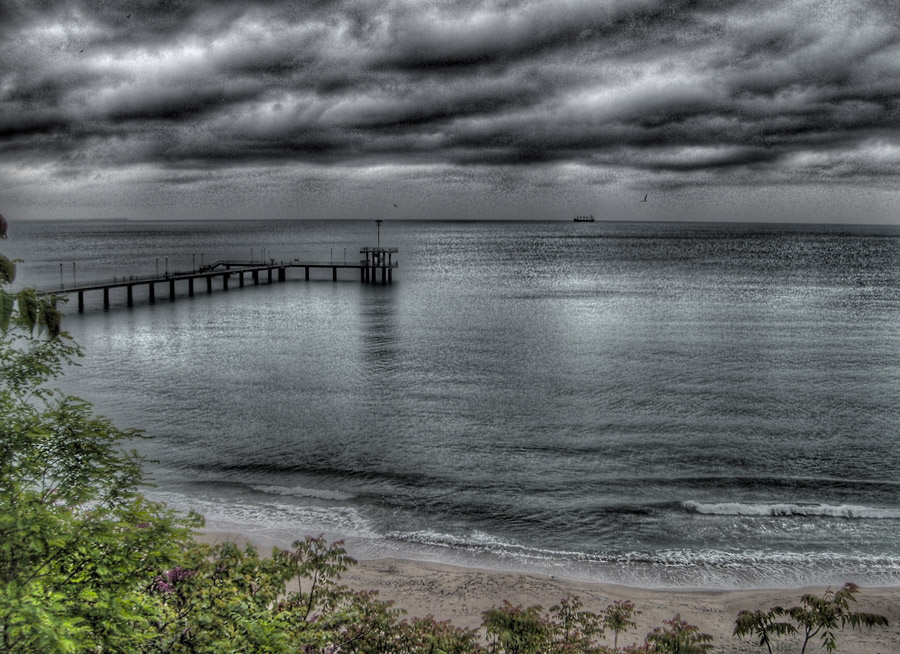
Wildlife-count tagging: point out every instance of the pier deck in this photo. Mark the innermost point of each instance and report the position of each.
(375, 259)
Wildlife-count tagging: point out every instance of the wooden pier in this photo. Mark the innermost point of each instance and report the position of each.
(376, 259)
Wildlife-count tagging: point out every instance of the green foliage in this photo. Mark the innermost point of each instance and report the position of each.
(428, 636)
(321, 564)
(217, 600)
(517, 630)
(618, 618)
(7, 304)
(574, 630)
(678, 638)
(815, 616)
(75, 536)
(7, 270)
(763, 625)
(566, 629)
(223, 599)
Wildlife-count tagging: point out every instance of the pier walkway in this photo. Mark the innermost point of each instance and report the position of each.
(376, 259)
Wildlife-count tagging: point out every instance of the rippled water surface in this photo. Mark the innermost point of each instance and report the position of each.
(656, 404)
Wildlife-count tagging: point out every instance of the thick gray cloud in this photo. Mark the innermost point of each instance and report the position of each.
(490, 107)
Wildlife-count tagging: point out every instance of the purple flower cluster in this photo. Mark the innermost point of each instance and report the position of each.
(166, 582)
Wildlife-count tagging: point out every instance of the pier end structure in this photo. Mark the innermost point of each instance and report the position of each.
(377, 258)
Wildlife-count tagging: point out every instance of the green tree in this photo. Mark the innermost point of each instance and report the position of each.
(678, 637)
(618, 618)
(76, 537)
(820, 616)
(574, 629)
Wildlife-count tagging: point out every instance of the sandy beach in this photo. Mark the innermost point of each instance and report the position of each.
(461, 595)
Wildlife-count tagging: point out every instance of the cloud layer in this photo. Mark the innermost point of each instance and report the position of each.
(327, 108)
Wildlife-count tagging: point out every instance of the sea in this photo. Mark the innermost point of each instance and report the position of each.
(667, 405)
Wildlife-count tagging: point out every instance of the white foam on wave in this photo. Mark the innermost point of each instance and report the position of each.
(474, 539)
(283, 521)
(299, 491)
(673, 568)
(249, 516)
(788, 509)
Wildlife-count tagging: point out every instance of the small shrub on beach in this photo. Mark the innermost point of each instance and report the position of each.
(678, 637)
(815, 616)
(574, 629)
(618, 618)
(566, 629)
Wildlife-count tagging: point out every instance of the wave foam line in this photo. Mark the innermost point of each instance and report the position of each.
(788, 509)
(299, 491)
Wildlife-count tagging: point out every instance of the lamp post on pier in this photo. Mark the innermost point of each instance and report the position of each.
(378, 233)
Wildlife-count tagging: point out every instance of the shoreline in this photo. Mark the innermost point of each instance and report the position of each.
(461, 594)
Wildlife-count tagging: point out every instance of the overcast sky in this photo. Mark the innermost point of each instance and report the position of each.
(783, 110)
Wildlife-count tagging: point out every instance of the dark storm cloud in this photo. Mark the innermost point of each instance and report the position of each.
(680, 92)
(498, 35)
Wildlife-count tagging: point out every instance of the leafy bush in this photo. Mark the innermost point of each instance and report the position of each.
(814, 616)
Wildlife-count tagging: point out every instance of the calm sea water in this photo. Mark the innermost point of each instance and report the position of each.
(709, 405)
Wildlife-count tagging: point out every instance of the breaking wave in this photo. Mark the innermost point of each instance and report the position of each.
(788, 509)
